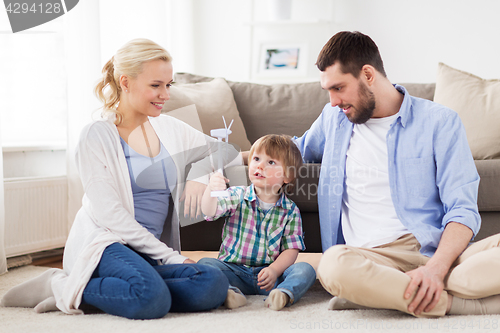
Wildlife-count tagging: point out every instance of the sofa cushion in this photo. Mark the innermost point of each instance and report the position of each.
(489, 186)
(183, 78)
(212, 100)
(421, 90)
(477, 101)
(278, 108)
(188, 114)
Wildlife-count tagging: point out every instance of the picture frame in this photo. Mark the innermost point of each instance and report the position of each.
(282, 60)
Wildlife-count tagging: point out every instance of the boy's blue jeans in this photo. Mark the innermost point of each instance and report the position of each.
(294, 281)
(132, 285)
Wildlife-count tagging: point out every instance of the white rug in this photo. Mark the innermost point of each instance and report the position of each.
(310, 314)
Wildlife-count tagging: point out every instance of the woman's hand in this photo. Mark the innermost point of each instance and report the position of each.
(193, 192)
(189, 261)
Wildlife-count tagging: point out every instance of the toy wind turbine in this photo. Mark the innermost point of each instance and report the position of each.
(221, 133)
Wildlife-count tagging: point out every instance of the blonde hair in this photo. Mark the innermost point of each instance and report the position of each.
(128, 61)
(282, 148)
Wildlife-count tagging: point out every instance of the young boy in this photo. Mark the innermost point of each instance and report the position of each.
(262, 234)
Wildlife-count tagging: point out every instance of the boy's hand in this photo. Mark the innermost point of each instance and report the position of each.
(218, 182)
(208, 203)
(267, 278)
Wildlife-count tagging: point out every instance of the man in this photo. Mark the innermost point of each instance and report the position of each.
(398, 186)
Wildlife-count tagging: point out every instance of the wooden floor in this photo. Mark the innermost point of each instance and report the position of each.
(55, 262)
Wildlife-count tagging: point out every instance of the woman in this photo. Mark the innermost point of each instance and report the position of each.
(130, 163)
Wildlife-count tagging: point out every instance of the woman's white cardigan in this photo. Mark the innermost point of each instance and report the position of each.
(107, 213)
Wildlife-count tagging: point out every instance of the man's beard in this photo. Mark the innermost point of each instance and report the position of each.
(366, 106)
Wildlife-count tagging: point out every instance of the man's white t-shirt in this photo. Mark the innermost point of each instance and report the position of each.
(368, 215)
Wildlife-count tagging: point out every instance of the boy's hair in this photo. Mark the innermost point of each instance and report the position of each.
(282, 148)
(352, 50)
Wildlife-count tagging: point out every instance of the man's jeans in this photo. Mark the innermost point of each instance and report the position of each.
(294, 281)
(132, 285)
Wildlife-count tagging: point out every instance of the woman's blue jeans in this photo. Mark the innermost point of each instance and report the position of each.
(294, 281)
(132, 285)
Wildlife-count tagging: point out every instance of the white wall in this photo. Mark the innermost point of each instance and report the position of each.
(228, 45)
(169, 23)
(412, 35)
(123, 20)
(221, 39)
(214, 37)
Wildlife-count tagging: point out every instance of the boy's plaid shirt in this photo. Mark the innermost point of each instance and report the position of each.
(252, 237)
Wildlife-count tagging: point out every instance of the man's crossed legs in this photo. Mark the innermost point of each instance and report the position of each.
(375, 277)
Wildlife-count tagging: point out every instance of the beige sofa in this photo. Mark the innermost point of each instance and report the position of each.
(291, 109)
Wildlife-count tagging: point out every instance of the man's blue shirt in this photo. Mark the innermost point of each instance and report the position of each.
(432, 175)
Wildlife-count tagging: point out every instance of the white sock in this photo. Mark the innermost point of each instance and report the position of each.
(277, 300)
(45, 306)
(32, 292)
(337, 303)
(481, 306)
(234, 300)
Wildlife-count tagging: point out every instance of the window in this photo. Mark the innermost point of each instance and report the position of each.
(33, 95)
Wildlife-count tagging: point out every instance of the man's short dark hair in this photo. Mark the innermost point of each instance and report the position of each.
(352, 50)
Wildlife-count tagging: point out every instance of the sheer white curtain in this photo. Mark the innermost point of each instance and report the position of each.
(3, 260)
(83, 65)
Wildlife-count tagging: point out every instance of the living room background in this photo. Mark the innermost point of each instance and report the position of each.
(221, 38)
(212, 37)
